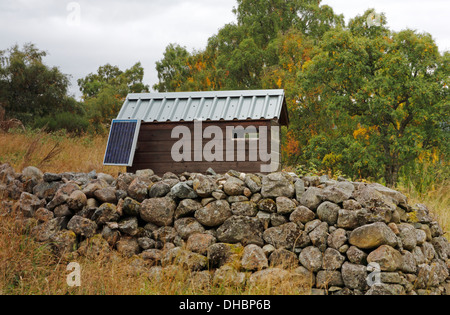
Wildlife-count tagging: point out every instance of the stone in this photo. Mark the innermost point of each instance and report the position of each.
(253, 258)
(77, 200)
(356, 256)
(387, 257)
(228, 276)
(165, 234)
(159, 211)
(371, 198)
(351, 204)
(204, 186)
(234, 186)
(302, 214)
(431, 275)
(442, 247)
(128, 246)
(51, 177)
(93, 186)
(32, 172)
(43, 232)
(372, 235)
(63, 242)
(185, 259)
(200, 242)
(131, 207)
(386, 289)
(183, 191)
(29, 203)
(319, 236)
(277, 184)
(332, 259)
(348, 219)
(111, 235)
(138, 189)
(220, 254)
(285, 236)
(408, 263)
(334, 194)
(43, 215)
(253, 182)
(269, 278)
(129, 226)
(145, 175)
(267, 205)
(311, 198)
(299, 189)
(82, 226)
(94, 247)
(337, 238)
(283, 258)
(328, 212)
(407, 235)
(146, 243)
(107, 212)
(311, 258)
(159, 189)
(106, 195)
(187, 226)
(241, 229)
(285, 205)
(329, 278)
(64, 211)
(247, 208)
(187, 207)
(214, 213)
(46, 190)
(354, 276)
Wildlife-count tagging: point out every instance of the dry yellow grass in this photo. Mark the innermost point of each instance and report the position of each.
(55, 153)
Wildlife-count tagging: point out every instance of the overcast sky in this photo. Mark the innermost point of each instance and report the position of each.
(82, 35)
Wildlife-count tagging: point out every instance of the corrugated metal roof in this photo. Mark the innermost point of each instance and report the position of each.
(215, 106)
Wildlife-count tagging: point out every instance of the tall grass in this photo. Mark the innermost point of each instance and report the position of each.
(55, 152)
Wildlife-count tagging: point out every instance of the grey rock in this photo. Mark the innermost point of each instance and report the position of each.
(334, 194)
(276, 185)
(302, 214)
(82, 226)
(51, 177)
(107, 212)
(285, 205)
(407, 235)
(283, 258)
(319, 236)
(356, 256)
(187, 207)
(247, 208)
(241, 229)
(337, 238)
(188, 226)
(267, 205)
(311, 198)
(159, 211)
(372, 235)
(138, 189)
(204, 186)
(183, 191)
(214, 213)
(234, 186)
(131, 207)
(328, 212)
(253, 182)
(285, 236)
(77, 200)
(128, 246)
(200, 242)
(299, 189)
(332, 259)
(106, 195)
(159, 189)
(185, 259)
(253, 258)
(354, 276)
(311, 258)
(348, 219)
(129, 226)
(387, 257)
(327, 278)
(220, 254)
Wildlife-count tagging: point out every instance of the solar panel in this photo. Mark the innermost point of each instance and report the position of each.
(122, 142)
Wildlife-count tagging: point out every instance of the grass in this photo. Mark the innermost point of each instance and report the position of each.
(55, 153)
(28, 267)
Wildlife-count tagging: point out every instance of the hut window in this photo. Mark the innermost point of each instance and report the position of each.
(242, 135)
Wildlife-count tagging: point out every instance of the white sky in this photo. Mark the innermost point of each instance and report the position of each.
(82, 35)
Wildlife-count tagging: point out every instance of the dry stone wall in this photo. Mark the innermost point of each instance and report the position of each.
(338, 236)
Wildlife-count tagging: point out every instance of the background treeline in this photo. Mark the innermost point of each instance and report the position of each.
(364, 101)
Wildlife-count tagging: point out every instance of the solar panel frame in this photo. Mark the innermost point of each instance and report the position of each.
(122, 141)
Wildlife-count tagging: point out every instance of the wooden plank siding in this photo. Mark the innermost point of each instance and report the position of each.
(155, 144)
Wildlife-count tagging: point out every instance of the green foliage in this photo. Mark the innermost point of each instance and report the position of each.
(105, 91)
(29, 88)
(74, 124)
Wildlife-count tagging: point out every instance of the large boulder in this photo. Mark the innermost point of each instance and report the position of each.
(159, 211)
(241, 229)
(277, 184)
(372, 236)
(214, 213)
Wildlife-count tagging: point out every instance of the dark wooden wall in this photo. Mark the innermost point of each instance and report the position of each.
(155, 144)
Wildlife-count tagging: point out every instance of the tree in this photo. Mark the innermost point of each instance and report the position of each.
(29, 88)
(105, 91)
(385, 93)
